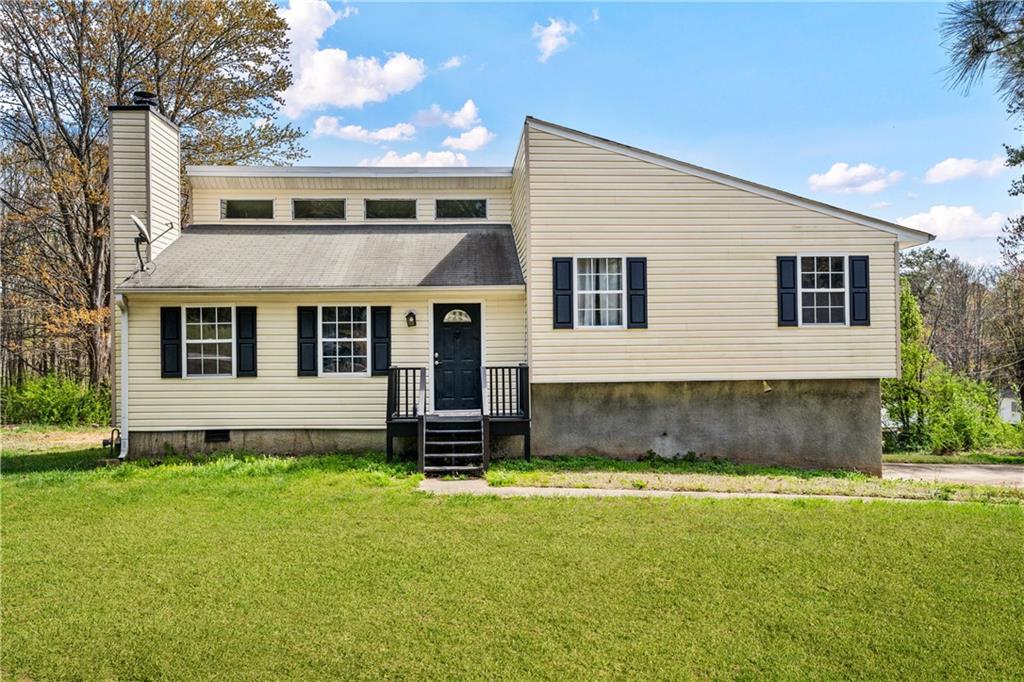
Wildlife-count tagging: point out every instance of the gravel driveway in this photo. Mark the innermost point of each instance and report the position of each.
(984, 474)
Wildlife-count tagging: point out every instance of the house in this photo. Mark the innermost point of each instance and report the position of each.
(1009, 406)
(591, 297)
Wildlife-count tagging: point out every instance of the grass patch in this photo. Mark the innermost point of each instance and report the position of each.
(996, 456)
(337, 567)
(687, 465)
(722, 476)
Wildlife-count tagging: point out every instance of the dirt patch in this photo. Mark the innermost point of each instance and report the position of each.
(31, 439)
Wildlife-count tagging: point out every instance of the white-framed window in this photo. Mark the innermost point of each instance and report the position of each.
(600, 294)
(389, 209)
(209, 341)
(823, 289)
(247, 209)
(344, 340)
(460, 209)
(318, 209)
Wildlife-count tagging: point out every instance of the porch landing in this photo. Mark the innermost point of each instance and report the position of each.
(458, 441)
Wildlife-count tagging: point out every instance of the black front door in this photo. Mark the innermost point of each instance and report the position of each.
(457, 356)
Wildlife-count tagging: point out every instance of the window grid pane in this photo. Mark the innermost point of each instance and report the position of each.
(209, 343)
(599, 296)
(343, 335)
(823, 289)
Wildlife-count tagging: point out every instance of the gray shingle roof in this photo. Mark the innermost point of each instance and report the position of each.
(333, 257)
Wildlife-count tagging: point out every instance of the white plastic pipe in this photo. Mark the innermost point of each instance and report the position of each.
(122, 305)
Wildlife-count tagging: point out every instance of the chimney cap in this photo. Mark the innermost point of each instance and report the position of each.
(143, 97)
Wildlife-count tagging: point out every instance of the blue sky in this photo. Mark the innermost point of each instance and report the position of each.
(775, 93)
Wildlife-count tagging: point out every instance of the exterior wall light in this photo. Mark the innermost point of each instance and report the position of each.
(410, 318)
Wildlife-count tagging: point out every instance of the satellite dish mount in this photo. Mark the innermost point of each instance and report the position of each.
(143, 237)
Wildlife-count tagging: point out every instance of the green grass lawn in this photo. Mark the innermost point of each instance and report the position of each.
(336, 567)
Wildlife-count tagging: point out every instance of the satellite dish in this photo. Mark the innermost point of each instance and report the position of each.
(141, 227)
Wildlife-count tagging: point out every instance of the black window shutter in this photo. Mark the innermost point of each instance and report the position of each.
(170, 342)
(380, 331)
(636, 292)
(307, 341)
(860, 296)
(245, 341)
(786, 271)
(562, 286)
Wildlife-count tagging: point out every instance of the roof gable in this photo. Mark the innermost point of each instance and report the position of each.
(907, 237)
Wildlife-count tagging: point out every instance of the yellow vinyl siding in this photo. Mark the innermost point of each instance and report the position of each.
(206, 201)
(521, 203)
(128, 184)
(278, 398)
(711, 249)
(127, 194)
(165, 184)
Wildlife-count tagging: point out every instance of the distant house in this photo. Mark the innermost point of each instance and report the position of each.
(591, 297)
(1009, 407)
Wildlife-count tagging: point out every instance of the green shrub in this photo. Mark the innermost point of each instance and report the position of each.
(933, 408)
(963, 414)
(55, 400)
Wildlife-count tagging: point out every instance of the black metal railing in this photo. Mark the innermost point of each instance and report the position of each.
(407, 392)
(507, 390)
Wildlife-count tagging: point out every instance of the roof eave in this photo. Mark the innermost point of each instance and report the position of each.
(347, 172)
(120, 289)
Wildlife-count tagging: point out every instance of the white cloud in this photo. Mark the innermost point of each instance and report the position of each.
(595, 15)
(471, 140)
(955, 222)
(954, 169)
(552, 38)
(462, 119)
(330, 76)
(881, 204)
(307, 21)
(452, 63)
(863, 178)
(331, 125)
(417, 159)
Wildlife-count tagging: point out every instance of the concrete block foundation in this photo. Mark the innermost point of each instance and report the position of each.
(151, 444)
(813, 424)
(259, 441)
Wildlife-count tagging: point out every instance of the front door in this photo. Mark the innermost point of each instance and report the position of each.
(457, 356)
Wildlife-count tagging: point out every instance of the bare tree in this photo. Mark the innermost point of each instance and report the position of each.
(956, 305)
(215, 65)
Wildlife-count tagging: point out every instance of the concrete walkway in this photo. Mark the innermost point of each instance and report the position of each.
(478, 486)
(978, 474)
